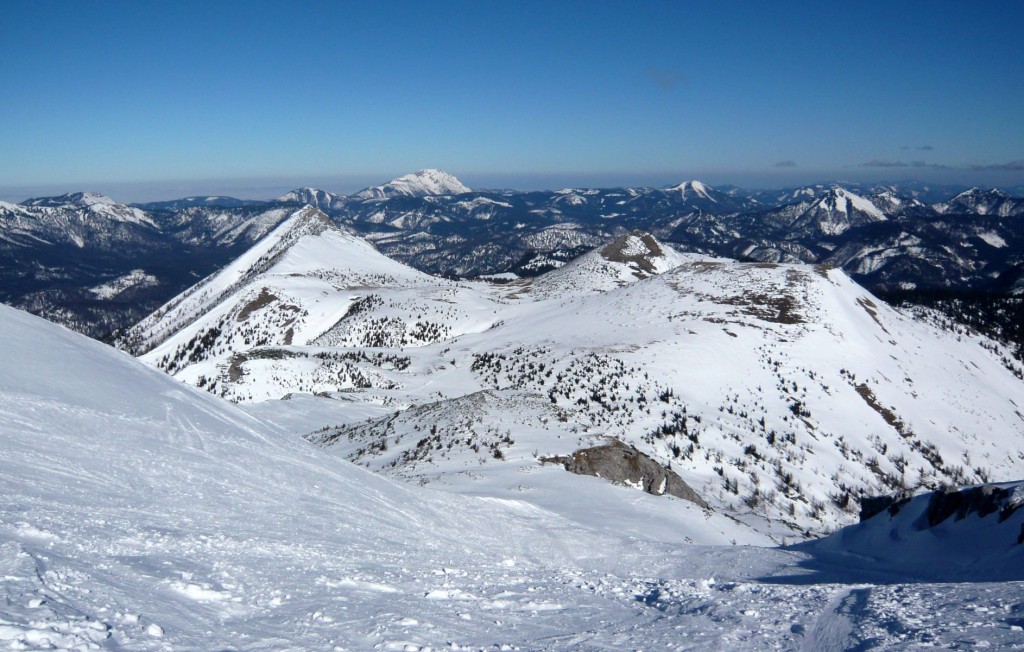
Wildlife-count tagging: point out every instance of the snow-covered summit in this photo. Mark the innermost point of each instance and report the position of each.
(290, 288)
(418, 184)
(833, 213)
(843, 201)
(694, 188)
(194, 303)
(622, 261)
(982, 201)
(77, 198)
(321, 199)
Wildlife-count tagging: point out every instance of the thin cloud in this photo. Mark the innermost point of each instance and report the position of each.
(1013, 166)
(786, 164)
(884, 164)
(903, 164)
(667, 79)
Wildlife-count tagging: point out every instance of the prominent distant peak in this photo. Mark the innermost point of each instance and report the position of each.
(693, 187)
(418, 184)
(91, 198)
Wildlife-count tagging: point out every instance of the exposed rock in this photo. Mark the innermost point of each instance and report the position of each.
(984, 500)
(625, 465)
(872, 505)
(637, 249)
(949, 501)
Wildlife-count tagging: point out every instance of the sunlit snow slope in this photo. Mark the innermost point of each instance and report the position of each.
(139, 514)
(136, 512)
(782, 394)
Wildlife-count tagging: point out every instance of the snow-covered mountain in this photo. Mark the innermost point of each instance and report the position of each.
(92, 204)
(467, 234)
(618, 263)
(983, 202)
(835, 212)
(418, 184)
(140, 514)
(325, 201)
(81, 219)
(780, 393)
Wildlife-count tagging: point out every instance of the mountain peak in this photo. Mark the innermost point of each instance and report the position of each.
(312, 196)
(697, 188)
(982, 201)
(421, 183)
(982, 192)
(91, 199)
(842, 200)
(626, 259)
(75, 198)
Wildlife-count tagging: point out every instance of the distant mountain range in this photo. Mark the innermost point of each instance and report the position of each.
(95, 265)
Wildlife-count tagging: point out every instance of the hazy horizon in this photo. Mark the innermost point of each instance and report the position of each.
(267, 188)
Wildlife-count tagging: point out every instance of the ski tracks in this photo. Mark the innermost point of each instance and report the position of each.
(835, 625)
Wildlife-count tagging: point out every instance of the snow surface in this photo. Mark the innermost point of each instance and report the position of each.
(780, 393)
(993, 238)
(139, 514)
(135, 278)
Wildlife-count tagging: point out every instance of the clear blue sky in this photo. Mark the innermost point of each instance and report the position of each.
(179, 96)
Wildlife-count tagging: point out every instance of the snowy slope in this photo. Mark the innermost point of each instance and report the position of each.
(780, 393)
(139, 514)
(418, 184)
(975, 532)
(837, 211)
(982, 202)
(615, 264)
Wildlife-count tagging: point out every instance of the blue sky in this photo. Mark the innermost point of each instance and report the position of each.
(166, 98)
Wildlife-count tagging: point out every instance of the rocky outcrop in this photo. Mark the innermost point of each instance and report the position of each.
(625, 465)
(950, 501)
(983, 500)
